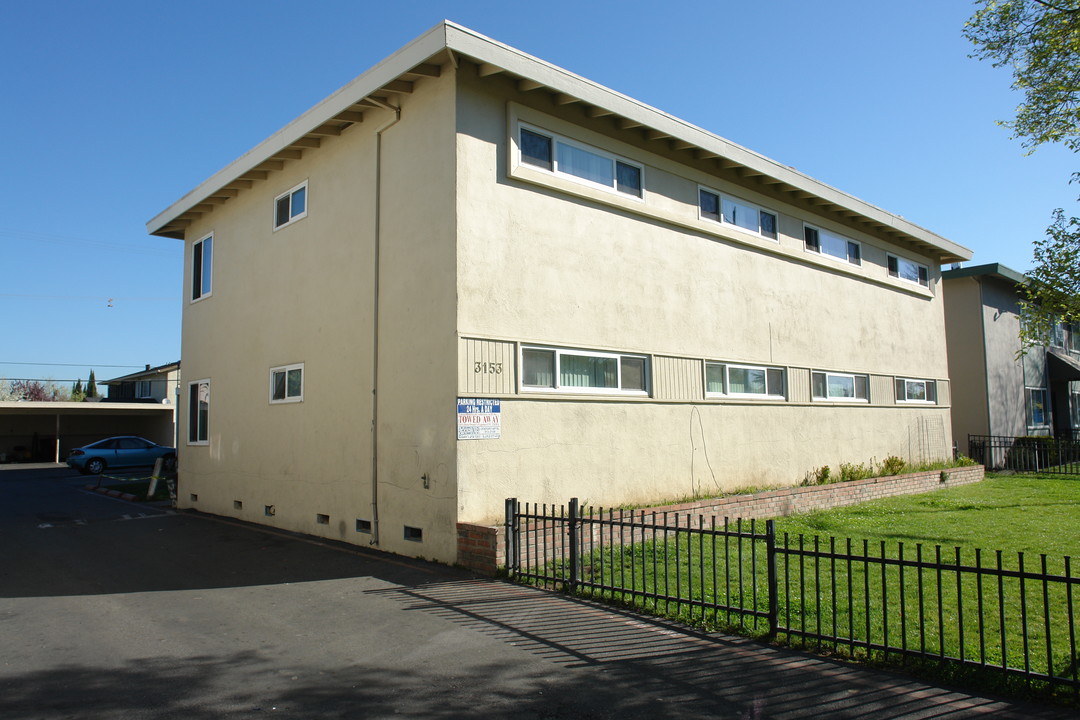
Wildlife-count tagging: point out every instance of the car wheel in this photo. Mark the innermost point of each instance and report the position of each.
(169, 463)
(95, 466)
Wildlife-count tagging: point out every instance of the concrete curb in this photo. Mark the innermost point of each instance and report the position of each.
(114, 493)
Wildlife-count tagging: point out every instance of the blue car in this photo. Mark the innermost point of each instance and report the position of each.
(120, 452)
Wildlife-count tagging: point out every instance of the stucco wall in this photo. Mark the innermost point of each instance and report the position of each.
(964, 319)
(1005, 372)
(304, 294)
(556, 264)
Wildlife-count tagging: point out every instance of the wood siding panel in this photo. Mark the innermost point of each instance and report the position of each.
(677, 378)
(944, 393)
(488, 368)
(798, 385)
(882, 390)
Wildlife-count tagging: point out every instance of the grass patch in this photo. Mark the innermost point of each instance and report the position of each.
(863, 605)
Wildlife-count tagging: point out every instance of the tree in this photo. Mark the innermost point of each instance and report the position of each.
(91, 386)
(30, 390)
(1039, 40)
(77, 394)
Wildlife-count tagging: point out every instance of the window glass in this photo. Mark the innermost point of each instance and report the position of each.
(915, 390)
(746, 380)
(586, 371)
(536, 149)
(709, 203)
(198, 411)
(584, 164)
(282, 214)
(299, 202)
(633, 373)
(774, 381)
(202, 261)
(1037, 416)
(741, 214)
(278, 379)
(290, 206)
(628, 179)
(294, 384)
(841, 386)
(907, 270)
(828, 243)
(538, 368)
(768, 225)
(714, 378)
(287, 384)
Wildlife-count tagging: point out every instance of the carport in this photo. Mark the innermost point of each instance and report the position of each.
(47, 431)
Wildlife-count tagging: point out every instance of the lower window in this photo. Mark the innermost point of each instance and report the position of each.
(1037, 415)
(840, 386)
(199, 412)
(583, 371)
(916, 391)
(287, 383)
(744, 380)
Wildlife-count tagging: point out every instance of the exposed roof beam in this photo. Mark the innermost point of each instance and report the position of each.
(528, 85)
(202, 208)
(217, 200)
(255, 175)
(564, 99)
(289, 154)
(627, 123)
(595, 111)
(655, 135)
(427, 70)
(271, 165)
(705, 154)
(681, 145)
(727, 164)
(350, 116)
(240, 183)
(307, 142)
(326, 130)
(486, 69)
(226, 193)
(398, 86)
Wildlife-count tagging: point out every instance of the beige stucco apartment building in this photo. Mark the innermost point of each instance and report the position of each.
(469, 274)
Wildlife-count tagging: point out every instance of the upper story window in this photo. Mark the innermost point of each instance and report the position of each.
(581, 162)
(722, 379)
(1037, 416)
(202, 264)
(584, 371)
(1074, 337)
(291, 206)
(827, 243)
(144, 388)
(909, 270)
(916, 391)
(199, 412)
(287, 383)
(733, 211)
(1057, 335)
(840, 386)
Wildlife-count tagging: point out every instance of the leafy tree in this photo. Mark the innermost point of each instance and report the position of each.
(1039, 40)
(77, 394)
(91, 386)
(30, 390)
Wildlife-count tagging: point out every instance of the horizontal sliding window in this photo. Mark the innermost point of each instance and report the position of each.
(743, 380)
(840, 386)
(287, 384)
(909, 270)
(291, 206)
(916, 391)
(1037, 416)
(732, 211)
(583, 371)
(581, 162)
(827, 243)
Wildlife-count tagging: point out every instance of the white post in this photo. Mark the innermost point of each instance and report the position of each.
(154, 478)
(57, 455)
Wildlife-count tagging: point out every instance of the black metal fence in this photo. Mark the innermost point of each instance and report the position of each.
(897, 604)
(1045, 454)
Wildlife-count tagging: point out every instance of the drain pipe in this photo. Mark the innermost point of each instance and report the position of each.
(375, 325)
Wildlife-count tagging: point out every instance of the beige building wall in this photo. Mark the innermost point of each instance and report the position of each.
(305, 294)
(546, 260)
(964, 318)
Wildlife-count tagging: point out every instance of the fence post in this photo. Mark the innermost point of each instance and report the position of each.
(770, 564)
(511, 536)
(572, 528)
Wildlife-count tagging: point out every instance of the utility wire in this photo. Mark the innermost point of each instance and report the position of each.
(94, 365)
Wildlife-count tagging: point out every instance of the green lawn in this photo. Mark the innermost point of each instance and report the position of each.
(865, 605)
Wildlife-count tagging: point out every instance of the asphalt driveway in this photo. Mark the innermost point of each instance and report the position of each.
(116, 610)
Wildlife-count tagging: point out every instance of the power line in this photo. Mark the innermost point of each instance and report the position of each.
(94, 365)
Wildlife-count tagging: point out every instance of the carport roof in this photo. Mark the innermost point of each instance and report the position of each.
(30, 407)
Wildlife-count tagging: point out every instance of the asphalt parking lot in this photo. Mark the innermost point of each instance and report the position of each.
(111, 609)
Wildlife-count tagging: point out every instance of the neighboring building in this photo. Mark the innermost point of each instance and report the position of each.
(995, 389)
(469, 274)
(47, 431)
(159, 384)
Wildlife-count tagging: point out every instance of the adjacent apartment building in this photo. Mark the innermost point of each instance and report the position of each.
(469, 274)
(997, 390)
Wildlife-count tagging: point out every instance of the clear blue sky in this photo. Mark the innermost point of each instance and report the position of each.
(113, 110)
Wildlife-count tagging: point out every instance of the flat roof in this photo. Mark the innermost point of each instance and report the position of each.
(997, 270)
(449, 42)
(37, 407)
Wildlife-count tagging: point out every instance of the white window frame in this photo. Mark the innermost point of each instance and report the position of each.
(289, 194)
(848, 242)
(854, 381)
(576, 389)
(899, 259)
(1074, 409)
(286, 369)
(927, 385)
(727, 381)
(205, 288)
(555, 171)
(721, 196)
(144, 389)
(1029, 407)
(192, 407)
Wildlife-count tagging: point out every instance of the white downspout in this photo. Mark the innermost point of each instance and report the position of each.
(375, 326)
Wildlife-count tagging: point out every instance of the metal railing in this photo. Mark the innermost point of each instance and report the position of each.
(895, 604)
(1044, 454)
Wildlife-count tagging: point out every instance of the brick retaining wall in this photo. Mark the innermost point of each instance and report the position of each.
(482, 547)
